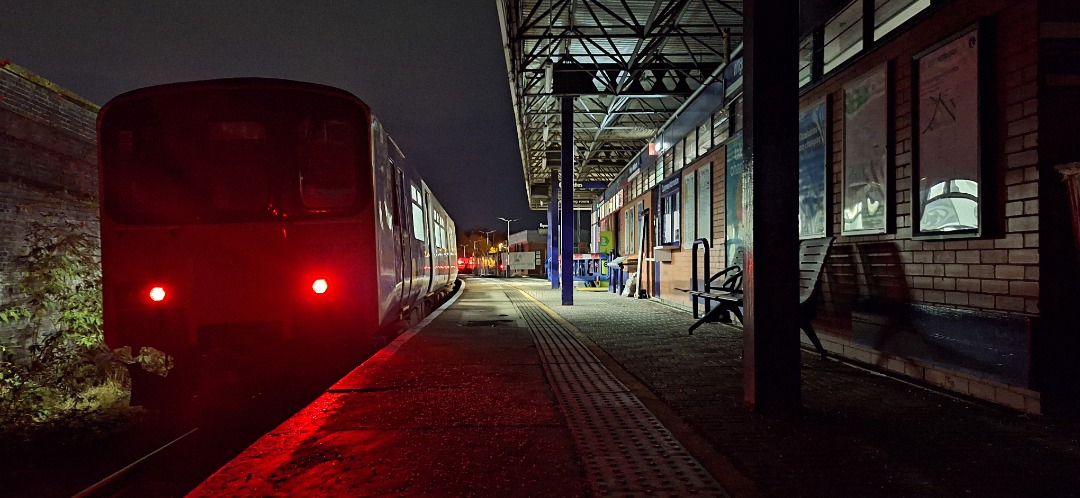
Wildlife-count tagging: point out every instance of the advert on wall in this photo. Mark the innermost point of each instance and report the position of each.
(734, 205)
(812, 172)
(948, 143)
(689, 187)
(866, 122)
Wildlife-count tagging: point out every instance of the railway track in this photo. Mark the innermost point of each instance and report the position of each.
(184, 446)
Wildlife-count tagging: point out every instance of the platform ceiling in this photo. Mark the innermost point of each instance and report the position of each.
(630, 64)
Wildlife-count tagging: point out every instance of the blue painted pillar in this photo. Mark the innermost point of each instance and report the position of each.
(553, 233)
(567, 196)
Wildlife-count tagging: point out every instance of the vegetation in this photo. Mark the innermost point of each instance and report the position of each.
(55, 370)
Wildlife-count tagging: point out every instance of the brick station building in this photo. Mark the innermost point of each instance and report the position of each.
(936, 139)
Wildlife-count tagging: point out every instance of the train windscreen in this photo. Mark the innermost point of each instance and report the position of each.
(222, 155)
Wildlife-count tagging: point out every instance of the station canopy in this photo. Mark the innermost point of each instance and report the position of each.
(630, 64)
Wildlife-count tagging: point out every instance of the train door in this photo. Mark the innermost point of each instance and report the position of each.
(433, 240)
(402, 234)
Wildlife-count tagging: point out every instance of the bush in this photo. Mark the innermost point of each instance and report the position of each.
(55, 366)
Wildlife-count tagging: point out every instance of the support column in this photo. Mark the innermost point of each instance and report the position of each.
(567, 196)
(553, 233)
(771, 329)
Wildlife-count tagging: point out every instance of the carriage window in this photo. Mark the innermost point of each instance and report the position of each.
(328, 173)
(417, 213)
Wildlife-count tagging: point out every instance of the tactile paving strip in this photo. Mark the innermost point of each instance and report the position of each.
(626, 451)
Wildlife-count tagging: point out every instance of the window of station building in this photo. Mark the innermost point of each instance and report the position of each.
(690, 146)
(628, 231)
(844, 35)
(658, 171)
(720, 125)
(737, 115)
(806, 60)
(704, 133)
(669, 163)
(890, 14)
(679, 156)
(670, 224)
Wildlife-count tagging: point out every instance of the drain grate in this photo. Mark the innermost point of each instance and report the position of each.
(626, 451)
(485, 323)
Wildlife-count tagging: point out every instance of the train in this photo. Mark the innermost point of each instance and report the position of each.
(262, 215)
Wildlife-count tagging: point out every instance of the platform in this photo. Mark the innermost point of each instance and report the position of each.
(507, 393)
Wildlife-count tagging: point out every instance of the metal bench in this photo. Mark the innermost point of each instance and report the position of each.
(728, 296)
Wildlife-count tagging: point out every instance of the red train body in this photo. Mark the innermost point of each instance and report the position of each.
(261, 213)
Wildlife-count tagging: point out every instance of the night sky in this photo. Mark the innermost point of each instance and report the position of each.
(432, 70)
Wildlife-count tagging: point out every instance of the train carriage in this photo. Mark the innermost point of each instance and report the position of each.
(264, 214)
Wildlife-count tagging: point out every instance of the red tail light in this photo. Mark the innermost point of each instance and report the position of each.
(157, 294)
(319, 286)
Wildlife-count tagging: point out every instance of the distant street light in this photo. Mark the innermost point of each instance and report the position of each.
(487, 237)
(508, 244)
(474, 256)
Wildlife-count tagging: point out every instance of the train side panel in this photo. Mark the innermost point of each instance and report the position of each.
(390, 227)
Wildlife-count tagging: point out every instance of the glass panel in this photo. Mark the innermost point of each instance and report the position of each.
(949, 165)
(704, 202)
(324, 184)
(704, 134)
(690, 147)
(206, 155)
(417, 214)
(890, 14)
(813, 176)
(689, 188)
(720, 126)
(679, 155)
(806, 59)
(865, 165)
(736, 115)
(843, 35)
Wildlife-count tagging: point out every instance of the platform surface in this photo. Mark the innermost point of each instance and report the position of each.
(509, 393)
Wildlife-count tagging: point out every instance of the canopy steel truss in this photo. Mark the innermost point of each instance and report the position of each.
(630, 64)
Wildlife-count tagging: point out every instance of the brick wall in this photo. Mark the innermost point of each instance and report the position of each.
(47, 164)
(997, 273)
(677, 274)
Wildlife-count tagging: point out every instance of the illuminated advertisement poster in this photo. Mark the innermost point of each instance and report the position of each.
(735, 208)
(866, 121)
(704, 203)
(948, 166)
(813, 214)
(689, 187)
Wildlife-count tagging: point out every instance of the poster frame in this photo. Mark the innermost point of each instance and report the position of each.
(887, 167)
(826, 165)
(984, 140)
